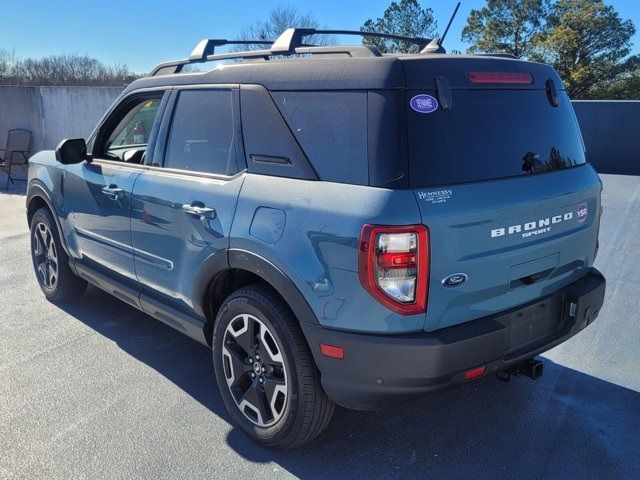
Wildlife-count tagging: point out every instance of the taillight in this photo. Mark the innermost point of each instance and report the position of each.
(499, 77)
(394, 266)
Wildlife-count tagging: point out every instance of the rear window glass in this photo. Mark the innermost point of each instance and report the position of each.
(492, 134)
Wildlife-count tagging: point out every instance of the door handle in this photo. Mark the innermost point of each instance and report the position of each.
(198, 209)
(113, 192)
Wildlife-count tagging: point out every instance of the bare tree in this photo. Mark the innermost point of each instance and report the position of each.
(62, 70)
(7, 65)
(281, 18)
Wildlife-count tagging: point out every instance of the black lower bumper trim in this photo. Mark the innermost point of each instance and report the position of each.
(384, 370)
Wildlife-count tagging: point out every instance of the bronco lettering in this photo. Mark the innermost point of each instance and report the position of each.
(529, 228)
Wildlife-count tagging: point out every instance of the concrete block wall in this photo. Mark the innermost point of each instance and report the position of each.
(53, 113)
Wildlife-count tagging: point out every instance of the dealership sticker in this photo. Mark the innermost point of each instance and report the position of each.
(582, 212)
(435, 196)
(424, 103)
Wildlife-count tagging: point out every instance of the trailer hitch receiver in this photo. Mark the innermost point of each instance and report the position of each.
(529, 368)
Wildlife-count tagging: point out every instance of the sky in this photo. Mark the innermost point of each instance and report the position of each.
(143, 33)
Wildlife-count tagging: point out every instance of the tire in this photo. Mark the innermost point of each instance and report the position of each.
(255, 318)
(50, 262)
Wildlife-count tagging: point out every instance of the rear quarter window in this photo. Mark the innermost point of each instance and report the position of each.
(491, 134)
(331, 128)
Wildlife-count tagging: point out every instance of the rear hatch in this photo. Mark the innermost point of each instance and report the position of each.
(497, 165)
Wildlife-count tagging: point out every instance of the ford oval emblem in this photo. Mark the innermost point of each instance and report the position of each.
(424, 103)
(454, 280)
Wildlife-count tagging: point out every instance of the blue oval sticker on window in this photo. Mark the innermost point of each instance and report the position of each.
(424, 103)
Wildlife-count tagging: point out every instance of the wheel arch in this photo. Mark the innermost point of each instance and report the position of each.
(235, 270)
(38, 197)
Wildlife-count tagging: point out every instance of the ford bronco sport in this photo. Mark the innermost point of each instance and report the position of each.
(340, 226)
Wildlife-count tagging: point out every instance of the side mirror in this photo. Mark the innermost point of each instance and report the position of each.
(72, 150)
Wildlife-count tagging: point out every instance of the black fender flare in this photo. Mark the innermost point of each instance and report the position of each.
(38, 190)
(213, 265)
(223, 260)
(275, 277)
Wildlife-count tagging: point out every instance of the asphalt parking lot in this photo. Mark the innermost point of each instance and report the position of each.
(100, 390)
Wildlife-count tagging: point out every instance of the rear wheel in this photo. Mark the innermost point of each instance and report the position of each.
(50, 261)
(265, 372)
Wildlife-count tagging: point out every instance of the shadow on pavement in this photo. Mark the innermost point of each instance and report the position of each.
(567, 424)
(19, 185)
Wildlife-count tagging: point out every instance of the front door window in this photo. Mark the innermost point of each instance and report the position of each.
(125, 137)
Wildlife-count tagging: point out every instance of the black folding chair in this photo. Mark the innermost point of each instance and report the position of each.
(15, 153)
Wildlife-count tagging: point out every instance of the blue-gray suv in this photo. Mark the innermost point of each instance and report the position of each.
(340, 226)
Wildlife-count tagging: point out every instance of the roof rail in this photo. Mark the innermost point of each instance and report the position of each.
(292, 38)
(205, 49)
(290, 42)
(208, 47)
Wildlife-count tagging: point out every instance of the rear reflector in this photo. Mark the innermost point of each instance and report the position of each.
(499, 77)
(475, 373)
(332, 351)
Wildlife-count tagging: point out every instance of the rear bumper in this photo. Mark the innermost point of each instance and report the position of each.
(384, 370)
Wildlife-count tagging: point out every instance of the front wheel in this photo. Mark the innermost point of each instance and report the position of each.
(50, 261)
(265, 372)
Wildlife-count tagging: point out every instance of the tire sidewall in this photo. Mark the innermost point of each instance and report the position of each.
(243, 303)
(43, 216)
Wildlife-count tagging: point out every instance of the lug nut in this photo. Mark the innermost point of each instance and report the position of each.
(264, 369)
(250, 360)
(253, 375)
(257, 357)
(261, 380)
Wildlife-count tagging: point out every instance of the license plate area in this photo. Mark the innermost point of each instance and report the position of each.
(532, 324)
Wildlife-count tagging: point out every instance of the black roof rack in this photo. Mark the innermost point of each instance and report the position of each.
(290, 42)
(201, 53)
(292, 38)
(208, 47)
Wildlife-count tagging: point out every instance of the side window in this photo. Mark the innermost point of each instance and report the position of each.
(201, 135)
(125, 136)
(331, 128)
